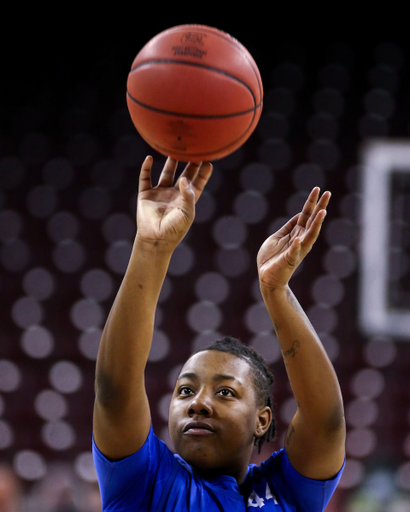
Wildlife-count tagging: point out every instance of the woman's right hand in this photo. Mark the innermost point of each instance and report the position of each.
(165, 212)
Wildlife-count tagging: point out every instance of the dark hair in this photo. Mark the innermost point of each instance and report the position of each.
(262, 376)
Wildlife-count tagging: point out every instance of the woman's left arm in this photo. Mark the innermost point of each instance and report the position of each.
(315, 440)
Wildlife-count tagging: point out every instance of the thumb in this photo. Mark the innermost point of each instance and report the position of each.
(294, 251)
(188, 198)
(186, 190)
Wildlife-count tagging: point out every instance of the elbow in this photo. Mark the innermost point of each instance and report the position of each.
(106, 392)
(327, 421)
(336, 421)
(112, 393)
(333, 416)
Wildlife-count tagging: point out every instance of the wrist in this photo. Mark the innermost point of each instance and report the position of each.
(268, 290)
(153, 247)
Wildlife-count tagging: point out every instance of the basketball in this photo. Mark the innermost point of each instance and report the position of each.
(194, 93)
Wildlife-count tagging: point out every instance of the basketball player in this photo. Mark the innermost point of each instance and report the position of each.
(221, 404)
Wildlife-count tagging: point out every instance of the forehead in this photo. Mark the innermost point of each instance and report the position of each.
(212, 361)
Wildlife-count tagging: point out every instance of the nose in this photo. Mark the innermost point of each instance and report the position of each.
(201, 405)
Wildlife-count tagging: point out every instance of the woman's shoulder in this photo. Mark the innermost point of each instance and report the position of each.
(269, 467)
(276, 479)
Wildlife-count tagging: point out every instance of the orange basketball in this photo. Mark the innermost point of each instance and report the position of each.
(194, 93)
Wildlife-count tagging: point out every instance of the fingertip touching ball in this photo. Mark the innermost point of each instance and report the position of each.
(194, 93)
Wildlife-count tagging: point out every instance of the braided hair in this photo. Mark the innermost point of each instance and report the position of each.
(262, 377)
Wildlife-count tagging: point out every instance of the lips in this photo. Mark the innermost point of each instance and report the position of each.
(198, 428)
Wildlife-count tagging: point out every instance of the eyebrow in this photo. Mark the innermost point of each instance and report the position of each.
(218, 377)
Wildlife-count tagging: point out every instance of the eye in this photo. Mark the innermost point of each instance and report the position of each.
(185, 391)
(226, 392)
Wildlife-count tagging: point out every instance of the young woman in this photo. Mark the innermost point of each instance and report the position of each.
(221, 404)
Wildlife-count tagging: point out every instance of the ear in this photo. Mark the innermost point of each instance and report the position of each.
(263, 421)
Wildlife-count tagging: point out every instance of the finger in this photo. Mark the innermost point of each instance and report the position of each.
(324, 200)
(292, 255)
(201, 179)
(167, 175)
(198, 174)
(188, 197)
(312, 233)
(190, 171)
(321, 205)
(187, 192)
(308, 207)
(145, 175)
(288, 227)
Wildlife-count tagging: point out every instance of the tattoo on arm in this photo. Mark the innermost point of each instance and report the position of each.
(290, 433)
(292, 350)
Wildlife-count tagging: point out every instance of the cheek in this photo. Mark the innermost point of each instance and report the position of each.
(247, 426)
(247, 420)
(242, 422)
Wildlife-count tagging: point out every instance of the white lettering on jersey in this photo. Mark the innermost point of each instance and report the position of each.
(257, 502)
(269, 495)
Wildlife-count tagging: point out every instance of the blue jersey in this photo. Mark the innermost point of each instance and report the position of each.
(154, 479)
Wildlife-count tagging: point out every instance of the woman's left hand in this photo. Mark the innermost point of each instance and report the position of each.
(282, 252)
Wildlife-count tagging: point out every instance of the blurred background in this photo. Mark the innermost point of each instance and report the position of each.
(69, 163)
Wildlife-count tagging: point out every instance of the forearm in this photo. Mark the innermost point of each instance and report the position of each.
(311, 374)
(127, 336)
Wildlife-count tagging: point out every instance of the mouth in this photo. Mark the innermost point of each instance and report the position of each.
(198, 428)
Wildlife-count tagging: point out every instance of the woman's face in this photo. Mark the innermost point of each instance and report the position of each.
(213, 415)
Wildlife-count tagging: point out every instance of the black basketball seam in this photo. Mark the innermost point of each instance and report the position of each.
(202, 153)
(197, 65)
(191, 116)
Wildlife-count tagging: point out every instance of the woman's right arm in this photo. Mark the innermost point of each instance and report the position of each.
(122, 417)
